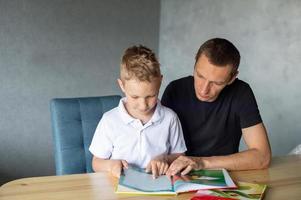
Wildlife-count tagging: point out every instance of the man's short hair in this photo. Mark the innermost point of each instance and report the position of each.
(139, 62)
(220, 52)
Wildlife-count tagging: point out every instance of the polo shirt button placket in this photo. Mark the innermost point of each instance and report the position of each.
(140, 143)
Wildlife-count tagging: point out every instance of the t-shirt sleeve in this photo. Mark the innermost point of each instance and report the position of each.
(177, 143)
(101, 145)
(247, 108)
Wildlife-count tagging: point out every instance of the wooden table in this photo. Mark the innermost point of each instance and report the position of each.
(283, 179)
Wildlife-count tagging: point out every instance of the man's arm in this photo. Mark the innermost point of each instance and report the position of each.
(257, 156)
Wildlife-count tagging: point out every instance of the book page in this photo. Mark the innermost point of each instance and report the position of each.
(203, 179)
(138, 179)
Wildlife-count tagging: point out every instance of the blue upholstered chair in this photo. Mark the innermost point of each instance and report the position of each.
(73, 124)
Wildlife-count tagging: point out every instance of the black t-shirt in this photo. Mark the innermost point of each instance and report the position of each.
(212, 128)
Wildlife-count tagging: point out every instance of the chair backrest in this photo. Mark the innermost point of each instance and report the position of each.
(74, 121)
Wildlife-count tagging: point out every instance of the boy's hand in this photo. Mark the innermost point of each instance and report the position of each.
(116, 167)
(157, 166)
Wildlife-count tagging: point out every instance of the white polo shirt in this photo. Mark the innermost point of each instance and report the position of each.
(120, 136)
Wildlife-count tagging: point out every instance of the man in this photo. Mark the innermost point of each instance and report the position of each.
(216, 109)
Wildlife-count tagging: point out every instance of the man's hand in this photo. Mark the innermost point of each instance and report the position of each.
(157, 166)
(116, 167)
(185, 164)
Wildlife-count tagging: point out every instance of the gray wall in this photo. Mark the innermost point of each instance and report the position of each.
(59, 48)
(268, 35)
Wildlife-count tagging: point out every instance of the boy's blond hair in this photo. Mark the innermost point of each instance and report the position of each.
(139, 62)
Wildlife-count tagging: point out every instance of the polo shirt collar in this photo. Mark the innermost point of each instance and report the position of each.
(157, 115)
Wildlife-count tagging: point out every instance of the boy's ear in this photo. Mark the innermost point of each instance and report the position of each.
(120, 83)
(234, 75)
(161, 79)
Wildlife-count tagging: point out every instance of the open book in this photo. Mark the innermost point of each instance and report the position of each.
(137, 181)
(244, 191)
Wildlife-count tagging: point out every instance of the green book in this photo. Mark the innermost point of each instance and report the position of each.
(244, 191)
(137, 181)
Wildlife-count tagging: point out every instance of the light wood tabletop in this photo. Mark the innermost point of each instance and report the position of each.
(283, 179)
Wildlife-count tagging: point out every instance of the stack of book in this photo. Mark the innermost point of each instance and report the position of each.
(244, 191)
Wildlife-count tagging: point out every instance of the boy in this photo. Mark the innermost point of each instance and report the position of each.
(140, 131)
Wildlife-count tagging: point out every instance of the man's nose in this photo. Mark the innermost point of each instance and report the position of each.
(205, 87)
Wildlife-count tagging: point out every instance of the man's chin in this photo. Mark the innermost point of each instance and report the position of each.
(206, 99)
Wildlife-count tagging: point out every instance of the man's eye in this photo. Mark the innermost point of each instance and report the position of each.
(219, 84)
(201, 77)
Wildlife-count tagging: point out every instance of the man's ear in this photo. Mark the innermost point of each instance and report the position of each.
(120, 83)
(234, 75)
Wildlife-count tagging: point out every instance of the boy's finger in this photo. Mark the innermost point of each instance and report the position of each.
(160, 169)
(124, 164)
(148, 168)
(154, 170)
(165, 169)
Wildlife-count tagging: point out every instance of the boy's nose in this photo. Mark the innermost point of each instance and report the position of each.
(143, 105)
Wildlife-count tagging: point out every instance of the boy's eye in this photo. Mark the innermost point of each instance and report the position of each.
(151, 96)
(134, 97)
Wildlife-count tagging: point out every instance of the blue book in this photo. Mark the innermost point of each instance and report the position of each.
(137, 181)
